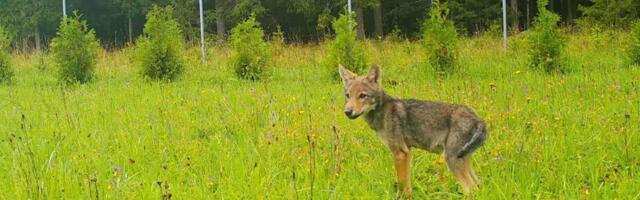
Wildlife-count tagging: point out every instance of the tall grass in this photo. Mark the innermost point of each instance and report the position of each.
(214, 136)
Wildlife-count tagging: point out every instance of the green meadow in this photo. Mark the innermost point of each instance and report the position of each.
(209, 135)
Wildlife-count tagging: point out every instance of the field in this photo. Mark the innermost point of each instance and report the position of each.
(212, 136)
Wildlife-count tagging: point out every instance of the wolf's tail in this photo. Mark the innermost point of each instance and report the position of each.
(479, 136)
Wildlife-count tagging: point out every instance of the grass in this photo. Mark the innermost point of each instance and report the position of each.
(212, 136)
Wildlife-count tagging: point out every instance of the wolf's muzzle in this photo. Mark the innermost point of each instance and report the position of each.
(350, 114)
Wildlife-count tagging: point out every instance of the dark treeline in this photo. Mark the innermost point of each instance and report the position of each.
(34, 22)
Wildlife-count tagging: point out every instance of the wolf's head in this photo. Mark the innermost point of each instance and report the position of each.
(362, 93)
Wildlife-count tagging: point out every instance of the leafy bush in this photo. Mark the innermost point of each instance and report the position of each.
(41, 61)
(395, 35)
(495, 29)
(633, 51)
(519, 44)
(440, 38)
(160, 48)
(6, 74)
(74, 50)
(250, 53)
(5, 39)
(600, 36)
(277, 37)
(345, 49)
(277, 40)
(547, 41)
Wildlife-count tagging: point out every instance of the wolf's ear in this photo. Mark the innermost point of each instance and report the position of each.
(346, 75)
(374, 75)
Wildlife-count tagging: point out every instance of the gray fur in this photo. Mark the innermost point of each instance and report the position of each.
(427, 125)
(403, 124)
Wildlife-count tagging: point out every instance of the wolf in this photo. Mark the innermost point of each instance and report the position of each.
(404, 124)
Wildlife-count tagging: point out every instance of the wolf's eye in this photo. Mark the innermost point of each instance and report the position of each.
(362, 96)
(346, 95)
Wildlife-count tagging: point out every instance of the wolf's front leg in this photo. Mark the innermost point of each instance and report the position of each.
(403, 167)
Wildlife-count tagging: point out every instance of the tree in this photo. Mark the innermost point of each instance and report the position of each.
(359, 22)
(75, 50)
(611, 14)
(243, 9)
(571, 10)
(345, 49)
(547, 42)
(133, 8)
(440, 38)
(360, 5)
(474, 16)
(305, 20)
(514, 10)
(23, 17)
(377, 19)
(186, 13)
(232, 12)
(160, 48)
(219, 18)
(250, 53)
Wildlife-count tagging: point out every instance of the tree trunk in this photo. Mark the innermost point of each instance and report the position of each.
(360, 23)
(377, 19)
(130, 30)
(37, 38)
(570, 11)
(220, 28)
(528, 15)
(25, 44)
(515, 24)
(562, 12)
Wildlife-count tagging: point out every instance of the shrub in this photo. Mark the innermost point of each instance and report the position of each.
(277, 40)
(440, 38)
(547, 42)
(74, 50)
(599, 36)
(160, 48)
(277, 37)
(41, 61)
(633, 51)
(345, 49)
(6, 74)
(495, 29)
(250, 53)
(395, 35)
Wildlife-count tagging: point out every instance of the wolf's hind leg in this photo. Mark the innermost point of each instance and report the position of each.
(468, 165)
(461, 172)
